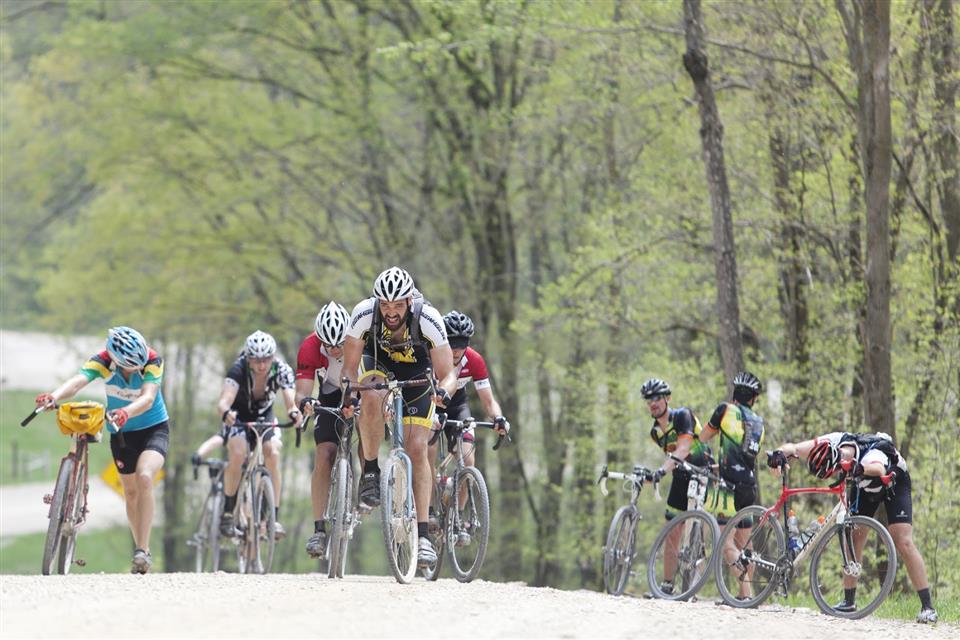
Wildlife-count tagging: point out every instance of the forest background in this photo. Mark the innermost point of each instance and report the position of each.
(202, 169)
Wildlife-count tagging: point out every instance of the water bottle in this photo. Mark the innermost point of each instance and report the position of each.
(812, 530)
(793, 532)
(447, 483)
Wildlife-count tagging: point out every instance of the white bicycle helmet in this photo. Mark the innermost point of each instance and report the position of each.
(393, 284)
(127, 347)
(260, 345)
(331, 324)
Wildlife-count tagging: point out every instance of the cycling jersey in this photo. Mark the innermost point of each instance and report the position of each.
(313, 359)
(121, 392)
(470, 368)
(869, 449)
(248, 408)
(406, 358)
(681, 421)
(741, 432)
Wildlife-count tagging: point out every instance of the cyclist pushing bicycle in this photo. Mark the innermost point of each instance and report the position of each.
(396, 333)
(133, 373)
(677, 433)
(885, 480)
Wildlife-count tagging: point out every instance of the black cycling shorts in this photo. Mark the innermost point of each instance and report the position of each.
(328, 427)
(155, 438)
(898, 503)
(677, 498)
(417, 402)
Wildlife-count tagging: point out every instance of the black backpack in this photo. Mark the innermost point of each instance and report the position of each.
(868, 441)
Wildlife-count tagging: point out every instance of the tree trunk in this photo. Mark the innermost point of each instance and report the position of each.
(875, 137)
(711, 137)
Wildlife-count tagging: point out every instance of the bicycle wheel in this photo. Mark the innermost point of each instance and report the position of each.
(682, 555)
(213, 531)
(747, 557)
(58, 509)
(201, 540)
(264, 523)
(72, 514)
(857, 554)
(246, 542)
(399, 517)
(468, 527)
(436, 531)
(619, 551)
(337, 509)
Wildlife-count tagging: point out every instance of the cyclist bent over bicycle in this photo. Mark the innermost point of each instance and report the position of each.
(876, 457)
(133, 374)
(320, 358)
(248, 393)
(676, 432)
(397, 332)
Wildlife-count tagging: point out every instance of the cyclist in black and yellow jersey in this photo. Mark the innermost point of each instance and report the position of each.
(741, 433)
(396, 332)
(676, 432)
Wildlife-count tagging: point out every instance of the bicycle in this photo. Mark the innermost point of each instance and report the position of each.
(344, 512)
(836, 551)
(620, 549)
(255, 512)
(460, 505)
(398, 513)
(82, 421)
(687, 566)
(206, 539)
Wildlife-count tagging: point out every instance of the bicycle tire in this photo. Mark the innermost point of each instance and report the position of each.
(243, 522)
(348, 522)
(619, 551)
(466, 561)
(824, 571)
(336, 523)
(56, 514)
(213, 534)
(201, 540)
(398, 518)
(694, 559)
(764, 549)
(72, 514)
(264, 525)
(438, 537)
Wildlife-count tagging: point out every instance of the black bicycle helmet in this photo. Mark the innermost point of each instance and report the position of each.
(654, 388)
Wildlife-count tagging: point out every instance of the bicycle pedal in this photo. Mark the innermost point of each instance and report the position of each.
(80, 562)
(47, 498)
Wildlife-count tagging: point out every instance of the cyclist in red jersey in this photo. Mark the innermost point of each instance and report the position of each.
(320, 360)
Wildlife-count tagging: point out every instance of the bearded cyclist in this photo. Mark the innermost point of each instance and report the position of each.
(320, 359)
(676, 432)
(397, 332)
(248, 392)
(876, 458)
(133, 373)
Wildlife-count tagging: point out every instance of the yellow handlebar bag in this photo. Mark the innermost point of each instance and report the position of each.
(81, 417)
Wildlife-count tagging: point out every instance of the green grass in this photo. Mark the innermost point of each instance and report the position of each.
(40, 442)
(898, 606)
(104, 550)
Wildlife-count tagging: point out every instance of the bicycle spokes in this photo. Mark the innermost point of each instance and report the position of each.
(750, 550)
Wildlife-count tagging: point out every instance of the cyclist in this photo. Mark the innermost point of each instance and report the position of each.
(876, 456)
(741, 432)
(133, 373)
(397, 332)
(676, 432)
(248, 392)
(469, 366)
(320, 358)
